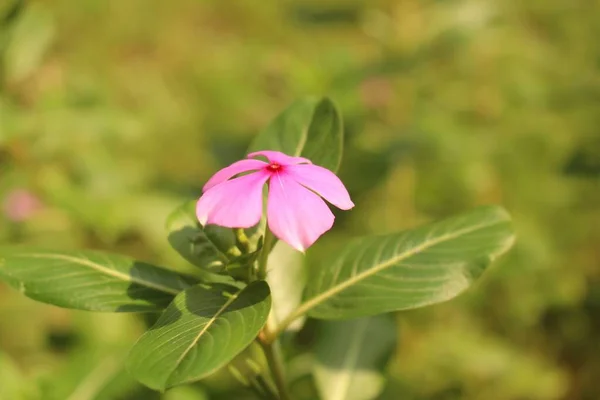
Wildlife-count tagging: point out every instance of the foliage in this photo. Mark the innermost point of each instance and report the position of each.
(446, 105)
(205, 324)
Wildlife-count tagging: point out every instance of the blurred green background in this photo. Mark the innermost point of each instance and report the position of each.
(112, 112)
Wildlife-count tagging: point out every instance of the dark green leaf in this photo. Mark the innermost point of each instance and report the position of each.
(310, 128)
(211, 247)
(348, 354)
(242, 267)
(410, 269)
(202, 330)
(89, 280)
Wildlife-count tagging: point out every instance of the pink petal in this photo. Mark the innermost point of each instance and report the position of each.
(322, 181)
(232, 170)
(236, 203)
(279, 158)
(295, 214)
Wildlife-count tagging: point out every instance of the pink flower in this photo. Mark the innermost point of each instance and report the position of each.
(295, 212)
(20, 205)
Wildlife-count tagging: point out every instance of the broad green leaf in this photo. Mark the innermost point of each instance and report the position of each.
(202, 330)
(198, 246)
(286, 277)
(411, 269)
(211, 247)
(310, 128)
(348, 356)
(89, 280)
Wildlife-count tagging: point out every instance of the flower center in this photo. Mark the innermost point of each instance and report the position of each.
(274, 167)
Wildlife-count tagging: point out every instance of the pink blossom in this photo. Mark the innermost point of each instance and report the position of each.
(295, 212)
(20, 205)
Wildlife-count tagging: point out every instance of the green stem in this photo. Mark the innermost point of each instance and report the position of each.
(271, 335)
(258, 387)
(275, 361)
(271, 348)
(266, 388)
(242, 241)
(264, 254)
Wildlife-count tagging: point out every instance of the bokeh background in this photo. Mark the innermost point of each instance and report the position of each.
(112, 112)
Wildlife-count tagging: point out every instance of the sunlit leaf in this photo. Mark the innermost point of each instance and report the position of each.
(411, 269)
(89, 280)
(310, 128)
(203, 329)
(286, 277)
(348, 354)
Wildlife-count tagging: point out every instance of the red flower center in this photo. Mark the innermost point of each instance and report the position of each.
(274, 167)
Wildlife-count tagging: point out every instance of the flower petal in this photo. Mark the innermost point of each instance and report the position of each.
(279, 158)
(232, 170)
(295, 214)
(322, 181)
(236, 203)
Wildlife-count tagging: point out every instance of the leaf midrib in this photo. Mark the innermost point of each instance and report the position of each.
(315, 301)
(102, 269)
(209, 323)
(303, 138)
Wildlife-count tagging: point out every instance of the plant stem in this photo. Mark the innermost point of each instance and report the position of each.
(271, 348)
(275, 361)
(242, 240)
(269, 393)
(264, 254)
(271, 334)
(258, 387)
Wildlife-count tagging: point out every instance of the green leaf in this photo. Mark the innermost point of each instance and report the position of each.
(410, 269)
(211, 247)
(242, 267)
(89, 280)
(202, 330)
(310, 128)
(348, 354)
(286, 277)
